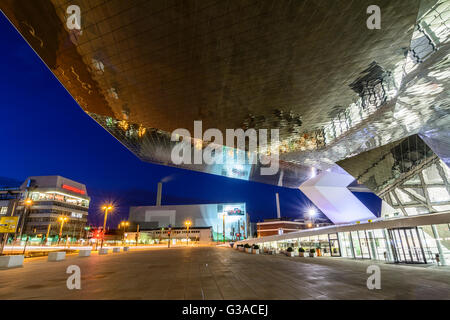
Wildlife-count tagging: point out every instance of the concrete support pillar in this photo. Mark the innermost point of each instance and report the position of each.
(438, 244)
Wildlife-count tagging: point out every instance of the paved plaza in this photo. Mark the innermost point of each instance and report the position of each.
(218, 273)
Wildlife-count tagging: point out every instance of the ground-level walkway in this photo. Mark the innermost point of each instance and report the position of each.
(219, 273)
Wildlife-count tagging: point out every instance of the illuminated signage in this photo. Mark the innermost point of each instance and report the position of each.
(73, 189)
(235, 212)
(8, 224)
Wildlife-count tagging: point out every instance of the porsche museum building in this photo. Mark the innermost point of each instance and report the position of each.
(413, 226)
(349, 103)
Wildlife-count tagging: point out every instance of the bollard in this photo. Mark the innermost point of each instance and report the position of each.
(103, 251)
(7, 262)
(84, 253)
(56, 256)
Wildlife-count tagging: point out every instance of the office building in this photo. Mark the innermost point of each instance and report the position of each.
(53, 197)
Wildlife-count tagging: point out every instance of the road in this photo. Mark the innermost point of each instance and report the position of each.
(218, 273)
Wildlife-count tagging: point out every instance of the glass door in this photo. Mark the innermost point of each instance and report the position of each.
(407, 246)
(364, 242)
(360, 244)
(356, 244)
(335, 248)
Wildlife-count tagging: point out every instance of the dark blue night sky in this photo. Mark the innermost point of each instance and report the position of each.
(44, 132)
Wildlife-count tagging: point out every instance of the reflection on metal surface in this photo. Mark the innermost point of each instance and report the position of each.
(333, 88)
(371, 86)
(84, 85)
(406, 174)
(419, 101)
(329, 192)
(424, 190)
(33, 33)
(381, 167)
(155, 146)
(438, 139)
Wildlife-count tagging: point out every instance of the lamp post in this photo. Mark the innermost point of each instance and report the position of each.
(187, 224)
(223, 228)
(312, 213)
(124, 224)
(27, 204)
(48, 232)
(137, 234)
(62, 220)
(106, 208)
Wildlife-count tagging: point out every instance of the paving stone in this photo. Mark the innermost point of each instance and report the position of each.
(180, 273)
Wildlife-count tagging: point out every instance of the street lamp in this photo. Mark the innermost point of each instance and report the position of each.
(124, 224)
(62, 220)
(105, 208)
(223, 227)
(27, 204)
(187, 224)
(312, 213)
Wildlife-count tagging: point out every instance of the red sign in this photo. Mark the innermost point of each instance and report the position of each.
(73, 189)
(235, 211)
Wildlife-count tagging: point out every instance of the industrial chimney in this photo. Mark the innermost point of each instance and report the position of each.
(158, 195)
(277, 197)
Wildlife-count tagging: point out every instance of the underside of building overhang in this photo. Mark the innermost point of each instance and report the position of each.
(312, 69)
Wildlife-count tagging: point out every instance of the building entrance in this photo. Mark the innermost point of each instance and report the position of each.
(406, 245)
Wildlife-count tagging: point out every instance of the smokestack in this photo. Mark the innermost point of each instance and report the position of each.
(278, 205)
(158, 195)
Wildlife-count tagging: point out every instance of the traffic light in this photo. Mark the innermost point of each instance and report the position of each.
(97, 234)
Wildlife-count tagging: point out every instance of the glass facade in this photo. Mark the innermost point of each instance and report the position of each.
(414, 245)
(47, 207)
(57, 196)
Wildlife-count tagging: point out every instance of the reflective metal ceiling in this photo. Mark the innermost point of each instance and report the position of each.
(310, 68)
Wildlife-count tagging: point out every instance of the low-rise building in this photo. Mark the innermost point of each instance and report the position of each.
(278, 226)
(178, 235)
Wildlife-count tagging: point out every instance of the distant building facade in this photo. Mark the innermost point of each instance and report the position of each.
(8, 200)
(176, 235)
(227, 221)
(52, 197)
(10, 193)
(278, 226)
